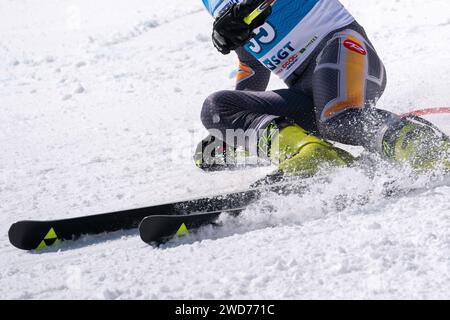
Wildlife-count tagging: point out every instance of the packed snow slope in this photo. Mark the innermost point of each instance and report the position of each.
(100, 104)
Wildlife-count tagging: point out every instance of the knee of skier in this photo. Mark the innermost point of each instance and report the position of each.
(212, 109)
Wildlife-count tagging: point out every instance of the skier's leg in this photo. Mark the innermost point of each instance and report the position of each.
(265, 118)
(236, 120)
(348, 80)
(252, 110)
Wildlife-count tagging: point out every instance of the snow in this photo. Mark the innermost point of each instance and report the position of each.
(100, 111)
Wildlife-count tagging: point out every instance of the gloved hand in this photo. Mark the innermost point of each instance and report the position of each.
(230, 30)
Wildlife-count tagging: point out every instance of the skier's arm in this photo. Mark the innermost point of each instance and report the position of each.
(252, 75)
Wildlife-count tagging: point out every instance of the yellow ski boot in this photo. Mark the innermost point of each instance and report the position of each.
(296, 152)
(419, 144)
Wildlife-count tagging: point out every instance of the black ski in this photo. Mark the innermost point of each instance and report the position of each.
(29, 235)
(160, 228)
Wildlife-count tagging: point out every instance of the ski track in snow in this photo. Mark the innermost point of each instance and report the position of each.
(100, 106)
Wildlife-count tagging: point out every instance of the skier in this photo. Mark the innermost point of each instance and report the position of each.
(334, 78)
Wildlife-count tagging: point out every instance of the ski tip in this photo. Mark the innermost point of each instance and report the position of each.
(156, 230)
(148, 233)
(16, 236)
(31, 235)
(161, 228)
